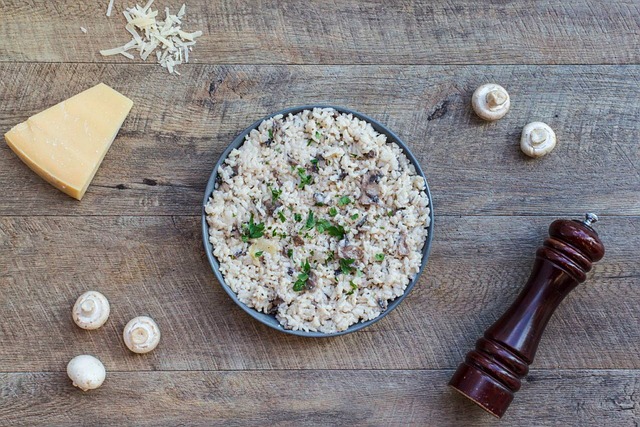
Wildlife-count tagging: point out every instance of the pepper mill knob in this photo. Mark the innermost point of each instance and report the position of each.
(492, 372)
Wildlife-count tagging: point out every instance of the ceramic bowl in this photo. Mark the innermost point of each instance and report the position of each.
(269, 319)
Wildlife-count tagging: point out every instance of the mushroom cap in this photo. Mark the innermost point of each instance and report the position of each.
(141, 334)
(490, 101)
(86, 372)
(91, 310)
(537, 139)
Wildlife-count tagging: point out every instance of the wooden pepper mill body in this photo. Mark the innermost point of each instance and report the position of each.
(492, 373)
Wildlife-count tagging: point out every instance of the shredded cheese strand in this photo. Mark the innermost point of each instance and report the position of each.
(148, 34)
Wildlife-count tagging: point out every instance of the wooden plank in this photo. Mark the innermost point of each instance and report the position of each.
(155, 266)
(345, 32)
(164, 154)
(306, 398)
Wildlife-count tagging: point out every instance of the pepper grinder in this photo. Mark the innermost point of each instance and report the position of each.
(492, 373)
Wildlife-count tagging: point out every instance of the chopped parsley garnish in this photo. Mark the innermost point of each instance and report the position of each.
(379, 257)
(270, 134)
(311, 222)
(275, 194)
(297, 217)
(355, 216)
(290, 253)
(344, 200)
(252, 230)
(353, 287)
(314, 162)
(309, 142)
(346, 265)
(336, 231)
(281, 216)
(275, 233)
(318, 135)
(301, 283)
(333, 211)
(390, 213)
(304, 178)
(330, 257)
(322, 224)
(259, 254)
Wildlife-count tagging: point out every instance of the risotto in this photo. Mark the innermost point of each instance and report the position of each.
(318, 220)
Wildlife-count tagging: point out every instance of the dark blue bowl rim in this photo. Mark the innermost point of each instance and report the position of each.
(269, 319)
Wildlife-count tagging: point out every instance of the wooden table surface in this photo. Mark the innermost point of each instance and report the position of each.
(412, 65)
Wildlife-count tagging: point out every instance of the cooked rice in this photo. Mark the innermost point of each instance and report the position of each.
(387, 215)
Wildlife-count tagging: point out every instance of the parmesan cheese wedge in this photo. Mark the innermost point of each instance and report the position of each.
(66, 143)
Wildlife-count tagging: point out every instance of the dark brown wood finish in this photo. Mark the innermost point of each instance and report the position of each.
(491, 374)
(410, 64)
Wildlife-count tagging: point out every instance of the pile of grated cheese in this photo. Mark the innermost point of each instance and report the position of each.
(173, 45)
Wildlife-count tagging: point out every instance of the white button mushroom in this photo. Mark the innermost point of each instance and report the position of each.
(91, 310)
(86, 372)
(537, 139)
(490, 101)
(141, 335)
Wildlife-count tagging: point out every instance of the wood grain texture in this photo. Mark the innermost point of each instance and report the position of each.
(155, 266)
(343, 32)
(311, 398)
(163, 156)
(413, 66)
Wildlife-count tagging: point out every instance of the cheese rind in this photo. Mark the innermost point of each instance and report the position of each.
(66, 143)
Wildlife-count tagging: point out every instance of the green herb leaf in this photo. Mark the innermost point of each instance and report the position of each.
(310, 221)
(336, 231)
(314, 162)
(270, 134)
(290, 253)
(275, 233)
(390, 213)
(379, 257)
(345, 265)
(344, 200)
(355, 216)
(330, 257)
(322, 224)
(297, 217)
(309, 142)
(281, 216)
(304, 178)
(333, 212)
(275, 194)
(252, 230)
(301, 283)
(305, 266)
(318, 135)
(353, 288)
(258, 254)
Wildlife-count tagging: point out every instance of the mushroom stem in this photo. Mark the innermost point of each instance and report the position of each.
(490, 101)
(496, 99)
(88, 306)
(91, 310)
(139, 335)
(537, 139)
